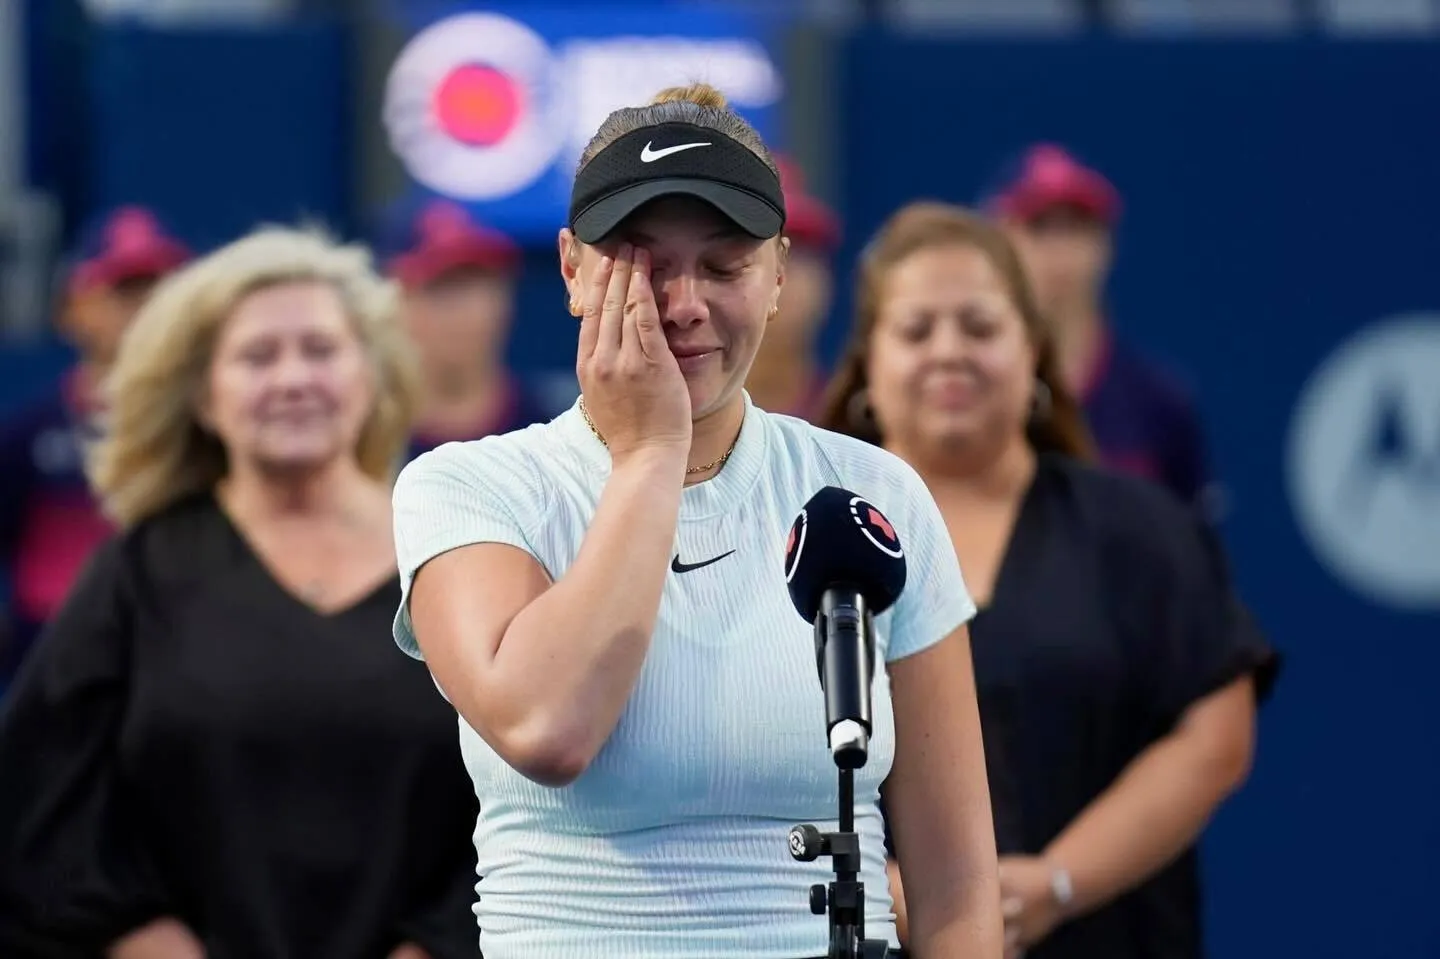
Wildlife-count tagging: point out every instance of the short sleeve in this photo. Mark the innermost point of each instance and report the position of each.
(936, 601)
(72, 867)
(1191, 633)
(457, 495)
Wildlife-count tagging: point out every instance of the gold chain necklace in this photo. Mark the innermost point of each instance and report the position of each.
(689, 470)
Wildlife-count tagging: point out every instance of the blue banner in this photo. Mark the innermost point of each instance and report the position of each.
(221, 129)
(1278, 245)
(491, 105)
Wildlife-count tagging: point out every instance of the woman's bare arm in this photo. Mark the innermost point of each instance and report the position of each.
(543, 670)
(938, 800)
(1161, 802)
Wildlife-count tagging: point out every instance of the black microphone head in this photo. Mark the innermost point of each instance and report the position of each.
(841, 539)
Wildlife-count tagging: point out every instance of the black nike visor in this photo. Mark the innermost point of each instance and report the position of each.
(676, 159)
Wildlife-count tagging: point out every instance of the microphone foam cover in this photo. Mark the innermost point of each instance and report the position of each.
(841, 539)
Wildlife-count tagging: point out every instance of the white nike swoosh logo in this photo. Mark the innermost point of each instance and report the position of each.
(648, 155)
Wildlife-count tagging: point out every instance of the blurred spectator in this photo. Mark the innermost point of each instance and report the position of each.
(1061, 215)
(458, 279)
(214, 749)
(1113, 668)
(787, 376)
(49, 523)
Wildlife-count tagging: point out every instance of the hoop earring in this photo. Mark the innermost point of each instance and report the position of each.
(574, 306)
(1042, 402)
(859, 411)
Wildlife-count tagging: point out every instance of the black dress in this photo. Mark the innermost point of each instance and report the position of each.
(1112, 612)
(190, 740)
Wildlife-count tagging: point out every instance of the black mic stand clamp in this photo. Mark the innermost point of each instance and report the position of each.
(845, 897)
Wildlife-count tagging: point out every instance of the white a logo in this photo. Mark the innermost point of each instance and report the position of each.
(1364, 462)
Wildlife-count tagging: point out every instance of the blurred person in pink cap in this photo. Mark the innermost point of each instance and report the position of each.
(1062, 215)
(458, 278)
(787, 376)
(49, 523)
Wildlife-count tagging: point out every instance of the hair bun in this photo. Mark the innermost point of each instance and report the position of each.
(700, 94)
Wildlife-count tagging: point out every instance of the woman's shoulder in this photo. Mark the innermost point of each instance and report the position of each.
(847, 461)
(1139, 517)
(516, 476)
(503, 457)
(173, 547)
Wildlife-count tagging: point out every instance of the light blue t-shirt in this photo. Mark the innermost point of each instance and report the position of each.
(673, 843)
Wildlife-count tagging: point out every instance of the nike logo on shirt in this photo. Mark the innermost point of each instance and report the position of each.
(680, 567)
(648, 155)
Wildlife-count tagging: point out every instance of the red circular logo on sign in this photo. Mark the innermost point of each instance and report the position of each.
(473, 106)
(478, 104)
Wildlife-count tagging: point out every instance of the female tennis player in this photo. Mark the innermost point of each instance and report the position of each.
(602, 599)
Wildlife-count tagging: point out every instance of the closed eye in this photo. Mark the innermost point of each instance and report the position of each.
(727, 273)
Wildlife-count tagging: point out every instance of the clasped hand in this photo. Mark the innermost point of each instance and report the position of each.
(1027, 900)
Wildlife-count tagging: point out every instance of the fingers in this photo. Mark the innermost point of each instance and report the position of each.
(643, 313)
(612, 308)
(1013, 909)
(591, 300)
(602, 304)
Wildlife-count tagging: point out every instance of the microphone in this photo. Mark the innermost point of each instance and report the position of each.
(844, 565)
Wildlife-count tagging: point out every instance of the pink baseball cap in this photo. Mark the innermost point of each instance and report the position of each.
(441, 236)
(1049, 177)
(125, 244)
(808, 221)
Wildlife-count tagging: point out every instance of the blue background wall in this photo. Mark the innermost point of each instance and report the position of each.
(1279, 195)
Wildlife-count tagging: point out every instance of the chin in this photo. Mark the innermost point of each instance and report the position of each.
(297, 462)
(706, 396)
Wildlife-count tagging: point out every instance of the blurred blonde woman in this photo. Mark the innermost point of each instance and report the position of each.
(215, 749)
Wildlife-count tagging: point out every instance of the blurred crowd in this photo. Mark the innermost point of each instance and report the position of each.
(456, 278)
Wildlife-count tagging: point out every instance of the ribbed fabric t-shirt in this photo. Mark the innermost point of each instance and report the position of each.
(673, 843)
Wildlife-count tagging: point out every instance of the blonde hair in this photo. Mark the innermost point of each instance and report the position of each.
(698, 104)
(154, 450)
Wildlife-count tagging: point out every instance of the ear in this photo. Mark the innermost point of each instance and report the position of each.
(569, 249)
(782, 258)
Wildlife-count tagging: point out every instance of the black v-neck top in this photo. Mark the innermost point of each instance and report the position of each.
(1111, 614)
(189, 739)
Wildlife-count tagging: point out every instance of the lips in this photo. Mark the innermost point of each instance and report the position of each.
(296, 415)
(688, 352)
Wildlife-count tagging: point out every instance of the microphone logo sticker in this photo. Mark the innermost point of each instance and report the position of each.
(795, 544)
(876, 527)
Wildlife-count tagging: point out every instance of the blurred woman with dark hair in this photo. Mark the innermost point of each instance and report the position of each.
(1117, 675)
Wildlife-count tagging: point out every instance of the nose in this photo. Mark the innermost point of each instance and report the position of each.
(947, 343)
(680, 299)
(293, 371)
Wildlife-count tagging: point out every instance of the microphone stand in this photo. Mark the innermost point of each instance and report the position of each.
(845, 897)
